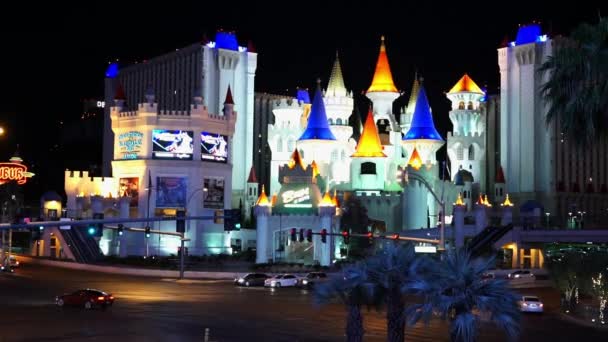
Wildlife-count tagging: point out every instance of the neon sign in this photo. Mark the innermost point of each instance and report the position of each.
(129, 144)
(296, 198)
(13, 172)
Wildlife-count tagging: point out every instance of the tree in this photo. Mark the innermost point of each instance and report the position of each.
(457, 290)
(577, 83)
(565, 272)
(392, 270)
(354, 289)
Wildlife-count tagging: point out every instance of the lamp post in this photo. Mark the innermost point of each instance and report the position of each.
(547, 214)
(569, 225)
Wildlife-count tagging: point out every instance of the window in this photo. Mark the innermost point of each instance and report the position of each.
(459, 152)
(461, 105)
(279, 145)
(339, 121)
(291, 144)
(330, 121)
(470, 105)
(500, 190)
(343, 155)
(334, 155)
(368, 168)
(302, 154)
(471, 152)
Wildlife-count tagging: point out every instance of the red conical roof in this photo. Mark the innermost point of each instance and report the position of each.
(252, 178)
(229, 97)
(120, 93)
(500, 176)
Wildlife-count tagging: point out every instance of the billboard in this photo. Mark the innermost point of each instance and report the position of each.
(129, 187)
(213, 198)
(171, 192)
(129, 144)
(214, 147)
(172, 144)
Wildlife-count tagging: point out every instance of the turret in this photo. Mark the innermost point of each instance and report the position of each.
(422, 134)
(406, 116)
(467, 143)
(368, 169)
(382, 91)
(251, 192)
(500, 191)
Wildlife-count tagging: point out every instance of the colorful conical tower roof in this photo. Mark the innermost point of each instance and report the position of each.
(296, 160)
(252, 177)
(383, 78)
(229, 99)
(415, 160)
(273, 201)
(369, 144)
(315, 169)
(317, 127)
(336, 81)
(459, 200)
(466, 84)
(263, 199)
(422, 121)
(500, 175)
(411, 104)
(507, 202)
(335, 199)
(326, 201)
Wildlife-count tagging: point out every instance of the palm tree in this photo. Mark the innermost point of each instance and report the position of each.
(457, 291)
(354, 289)
(577, 84)
(392, 271)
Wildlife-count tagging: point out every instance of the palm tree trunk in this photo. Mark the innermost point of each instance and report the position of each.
(354, 324)
(394, 317)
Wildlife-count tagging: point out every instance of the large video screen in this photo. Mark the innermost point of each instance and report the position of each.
(129, 187)
(172, 144)
(214, 147)
(214, 193)
(171, 192)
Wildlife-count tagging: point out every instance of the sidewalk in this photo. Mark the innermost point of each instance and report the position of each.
(580, 321)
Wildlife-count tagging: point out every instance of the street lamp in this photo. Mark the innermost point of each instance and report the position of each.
(547, 214)
(1, 130)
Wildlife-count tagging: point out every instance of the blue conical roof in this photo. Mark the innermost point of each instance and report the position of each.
(422, 121)
(317, 127)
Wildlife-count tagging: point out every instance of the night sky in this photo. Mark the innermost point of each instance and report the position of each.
(57, 57)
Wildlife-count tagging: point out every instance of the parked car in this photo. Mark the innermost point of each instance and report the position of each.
(7, 268)
(13, 261)
(282, 280)
(251, 279)
(313, 278)
(488, 275)
(522, 274)
(87, 298)
(530, 304)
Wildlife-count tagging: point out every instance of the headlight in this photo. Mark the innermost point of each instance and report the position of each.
(304, 281)
(241, 280)
(517, 276)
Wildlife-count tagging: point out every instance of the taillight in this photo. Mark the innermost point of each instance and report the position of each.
(101, 298)
(111, 297)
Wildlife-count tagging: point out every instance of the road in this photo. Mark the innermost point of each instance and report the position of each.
(151, 309)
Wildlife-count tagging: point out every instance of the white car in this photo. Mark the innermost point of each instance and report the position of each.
(282, 280)
(530, 304)
(522, 274)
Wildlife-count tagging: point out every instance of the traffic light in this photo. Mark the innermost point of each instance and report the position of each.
(292, 234)
(92, 230)
(324, 235)
(370, 237)
(120, 229)
(301, 238)
(99, 226)
(147, 231)
(346, 237)
(37, 233)
(180, 224)
(309, 235)
(232, 219)
(394, 237)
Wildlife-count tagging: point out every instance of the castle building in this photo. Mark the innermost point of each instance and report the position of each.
(204, 70)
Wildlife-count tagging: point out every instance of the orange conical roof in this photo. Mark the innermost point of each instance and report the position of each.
(466, 84)
(335, 199)
(263, 199)
(315, 169)
(480, 200)
(273, 201)
(415, 160)
(326, 201)
(369, 143)
(383, 78)
(296, 160)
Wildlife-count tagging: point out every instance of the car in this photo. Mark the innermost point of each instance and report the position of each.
(14, 262)
(530, 304)
(488, 275)
(87, 298)
(282, 280)
(251, 279)
(7, 268)
(313, 278)
(522, 274)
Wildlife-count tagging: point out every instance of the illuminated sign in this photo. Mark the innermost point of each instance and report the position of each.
(101, 104)
(129, 144)
(296, 198)
(14, 172)
(425, 249)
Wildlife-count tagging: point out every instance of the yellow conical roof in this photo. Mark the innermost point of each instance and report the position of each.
(383, 78)
(507, 202)
(263, 199)
(466, 84)
(459, 200)
(336, 87)
(369, 143)
(296, 160)
(326, 201)
(415, 160)
(486, 202)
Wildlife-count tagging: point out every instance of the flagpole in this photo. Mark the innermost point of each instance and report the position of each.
(148, 207)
